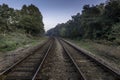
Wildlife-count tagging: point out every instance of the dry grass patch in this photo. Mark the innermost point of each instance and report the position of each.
(110, 53)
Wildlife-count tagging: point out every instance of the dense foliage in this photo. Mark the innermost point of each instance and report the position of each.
(28, 19)
(96, 22)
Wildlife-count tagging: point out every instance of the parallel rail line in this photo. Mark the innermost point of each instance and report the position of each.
(16, 63)
(82, 77)
(95, 60)
(71, 69)
(28, 67)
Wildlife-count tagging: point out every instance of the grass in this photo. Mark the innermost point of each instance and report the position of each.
(14, 40)
(108, 52)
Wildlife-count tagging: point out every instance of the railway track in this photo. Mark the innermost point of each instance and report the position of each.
(50, 59)
(91, 68)
(58, 66)
(59, 60)
(27, 68)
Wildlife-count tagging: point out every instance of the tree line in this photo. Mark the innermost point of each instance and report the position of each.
(95, 22)
(28, 19)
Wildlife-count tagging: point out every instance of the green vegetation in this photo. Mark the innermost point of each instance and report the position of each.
(20, 27)
(17, 39)
(29, 19)
(97, 22)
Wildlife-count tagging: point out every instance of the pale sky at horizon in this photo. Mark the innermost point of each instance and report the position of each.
(54, 11)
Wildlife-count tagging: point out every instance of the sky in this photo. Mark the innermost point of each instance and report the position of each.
(54, 11)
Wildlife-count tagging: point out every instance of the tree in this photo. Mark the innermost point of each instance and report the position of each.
(29, 19)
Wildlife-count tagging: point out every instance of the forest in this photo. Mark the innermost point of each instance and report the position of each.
(28, 19)
(96, 22)
(20, 27)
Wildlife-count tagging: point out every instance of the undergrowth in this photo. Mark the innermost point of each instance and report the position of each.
(14, 40)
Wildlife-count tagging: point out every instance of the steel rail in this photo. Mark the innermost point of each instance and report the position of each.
(67, 52)
(106, 67)
(6, 71)
(34, 77)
